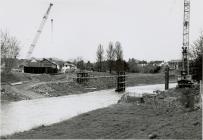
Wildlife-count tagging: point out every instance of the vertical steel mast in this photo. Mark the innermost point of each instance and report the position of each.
(185, 48)
(185, 80)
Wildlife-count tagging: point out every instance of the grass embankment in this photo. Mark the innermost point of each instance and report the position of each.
(93, 84)
(126, 121)
(63, 84)
(9, 93)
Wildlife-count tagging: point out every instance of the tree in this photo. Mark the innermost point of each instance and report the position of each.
(100, 57)
(119, 65)
(196, 53)
(118, 51)
(79, 62)
(110, 56)
(89, 66)
(9, 50)
(133, 65)
(197, 47)
(81, 65)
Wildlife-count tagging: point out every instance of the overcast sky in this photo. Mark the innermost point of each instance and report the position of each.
(147, 29)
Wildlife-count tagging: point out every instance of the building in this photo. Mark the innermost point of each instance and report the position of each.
(175, 64)
(142, 63)
(40, 66)
(157, 63)
(68, 67)
(58, 62)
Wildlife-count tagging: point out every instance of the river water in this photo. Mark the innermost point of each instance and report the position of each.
(27, 114)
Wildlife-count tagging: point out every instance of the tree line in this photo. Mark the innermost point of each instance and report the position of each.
(109, 60)
(9, 50)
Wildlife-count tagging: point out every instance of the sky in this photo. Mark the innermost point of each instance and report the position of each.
(147, 29)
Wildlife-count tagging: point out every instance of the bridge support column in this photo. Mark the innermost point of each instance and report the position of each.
(166, 78)
(121, 82)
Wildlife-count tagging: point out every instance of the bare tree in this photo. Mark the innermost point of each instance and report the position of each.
(9, 50)
(197, 47)
(118, 51)
(110, 56)
(79, 62)
(119, 65)
(197, 56)
(100, 56)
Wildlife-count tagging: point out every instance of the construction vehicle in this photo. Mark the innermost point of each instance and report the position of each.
(39, 31)
(185, 79)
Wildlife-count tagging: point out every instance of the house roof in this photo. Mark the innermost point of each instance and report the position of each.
(44, 59)
(173, 61)
(70, 64)
(56, 61)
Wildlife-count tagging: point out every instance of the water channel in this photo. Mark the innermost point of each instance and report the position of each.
(27, 114)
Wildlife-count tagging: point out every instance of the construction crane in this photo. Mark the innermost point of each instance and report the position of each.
(52, 30)
(185, 79)
(39, 31)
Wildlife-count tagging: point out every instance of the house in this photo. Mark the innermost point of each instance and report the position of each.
(157, 63)
(40, 66)
(68, 67)
(142, 63)
(175, 64)
(58, 62)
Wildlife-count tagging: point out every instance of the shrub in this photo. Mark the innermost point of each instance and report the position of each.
(187, 98)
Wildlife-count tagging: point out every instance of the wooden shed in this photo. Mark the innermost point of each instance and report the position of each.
(40, 66)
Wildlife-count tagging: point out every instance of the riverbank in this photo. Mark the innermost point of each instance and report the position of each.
(127, 121)
(43, 85)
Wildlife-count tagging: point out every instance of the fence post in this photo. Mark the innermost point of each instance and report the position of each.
(166, 78)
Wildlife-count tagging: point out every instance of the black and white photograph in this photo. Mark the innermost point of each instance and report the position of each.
(101, 69)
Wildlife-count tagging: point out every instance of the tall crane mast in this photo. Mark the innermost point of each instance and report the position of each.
(185, 80)
(39, 31)
(186, 26)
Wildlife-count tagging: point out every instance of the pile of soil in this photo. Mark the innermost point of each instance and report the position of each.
(47, 77)
(59, 88)
(7, 94)
(14, 77)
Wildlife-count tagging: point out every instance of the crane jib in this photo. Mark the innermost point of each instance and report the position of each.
(39, 31)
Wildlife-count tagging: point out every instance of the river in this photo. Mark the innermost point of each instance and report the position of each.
(27, 114)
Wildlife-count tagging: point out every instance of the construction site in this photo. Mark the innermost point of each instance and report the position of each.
(113, 98)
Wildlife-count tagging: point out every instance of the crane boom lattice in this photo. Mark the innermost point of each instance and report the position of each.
(39, 31)
(185, 80)
(186, 26)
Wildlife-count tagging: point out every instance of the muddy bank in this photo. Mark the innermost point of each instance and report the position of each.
(44, 85)
(55, 89)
